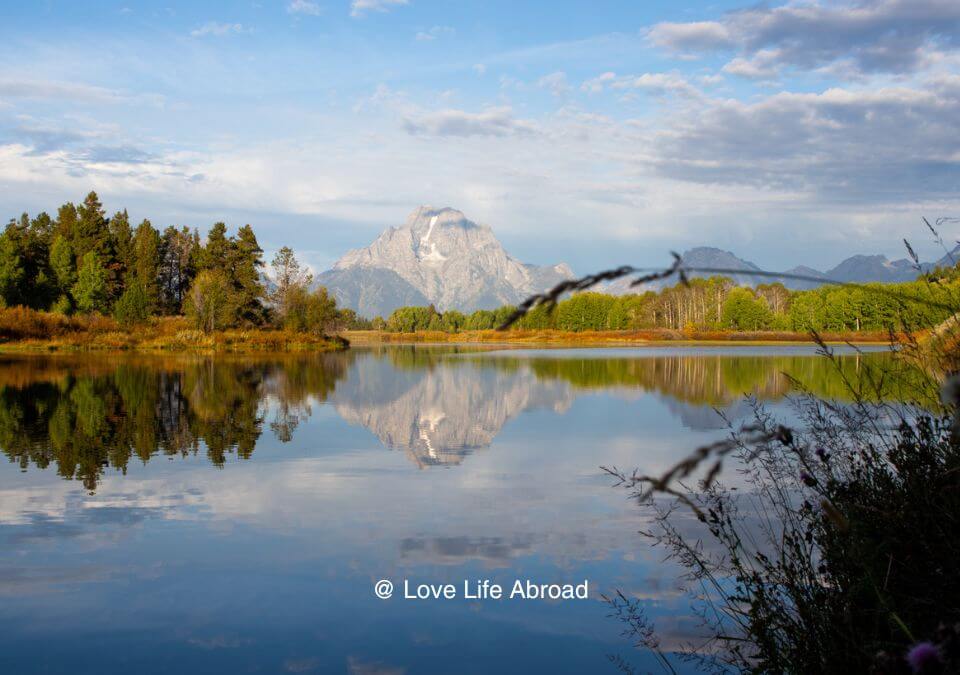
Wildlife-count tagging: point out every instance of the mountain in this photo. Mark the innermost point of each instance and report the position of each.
(439, 416)
(800, 284)
(437, 257)
(700, 257)
(855, 269)
(371, 291)
(863, 268)
(440, 257)
(950, 259)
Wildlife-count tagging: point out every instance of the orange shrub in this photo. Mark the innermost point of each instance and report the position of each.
(23, 323)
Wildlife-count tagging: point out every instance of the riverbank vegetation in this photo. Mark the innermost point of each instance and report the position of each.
(83, 417)
(832, 558)
(714, 307)
(613, 338)
(85, 280)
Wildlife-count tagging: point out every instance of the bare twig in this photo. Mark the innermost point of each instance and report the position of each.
(664, 484)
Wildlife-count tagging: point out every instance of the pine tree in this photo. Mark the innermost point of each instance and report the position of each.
(38, 289)
(92, 232)
(178, 266)
(216, 250)
(121, 241)
(66, 223)
(133, 307)
(146, 263)
(11, 267)
(246, 262)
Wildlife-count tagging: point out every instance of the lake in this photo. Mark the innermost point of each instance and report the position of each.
(233, 514)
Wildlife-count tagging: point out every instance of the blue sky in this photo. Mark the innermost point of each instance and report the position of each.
(595, 133)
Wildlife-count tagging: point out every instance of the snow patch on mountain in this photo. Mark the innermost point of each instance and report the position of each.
(439, 254)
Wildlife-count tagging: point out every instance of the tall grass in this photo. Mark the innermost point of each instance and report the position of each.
(22, 323)
(840, 555)
(24, 329)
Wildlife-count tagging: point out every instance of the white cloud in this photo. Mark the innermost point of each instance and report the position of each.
(68, 91)
(879, 36)
(360, 7)
(658, 83)
(840, 144)
(694, 35)
(217, 29)
(596, 84)
(77, 92)
(555, 83)
(304, 7)
(480, 69)
(434, 33)
(450, 122)
(762, 65)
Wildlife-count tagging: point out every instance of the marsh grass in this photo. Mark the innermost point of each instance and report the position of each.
(840, 555)
(29, 330)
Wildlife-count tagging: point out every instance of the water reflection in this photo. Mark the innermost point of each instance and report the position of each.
(82, 415)
(437, 409)
(233, 513)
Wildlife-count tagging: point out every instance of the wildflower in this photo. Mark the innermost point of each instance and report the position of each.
(807, 479)
(822, 454)
(923, 657)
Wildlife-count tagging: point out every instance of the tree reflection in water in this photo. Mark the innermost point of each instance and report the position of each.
(87, 413)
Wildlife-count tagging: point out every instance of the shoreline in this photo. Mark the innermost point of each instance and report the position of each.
(643, 338)
(158, 338)
(184, 342)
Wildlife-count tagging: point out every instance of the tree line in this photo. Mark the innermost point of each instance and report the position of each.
(83, 262)
(717, 303)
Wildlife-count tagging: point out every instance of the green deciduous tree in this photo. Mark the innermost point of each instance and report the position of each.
(90, 291)
(742, 310)
(584, 311)
(410, 319)
(210, 301)
(452, 321)
(63, 267)
(310, 312)
(288, 276)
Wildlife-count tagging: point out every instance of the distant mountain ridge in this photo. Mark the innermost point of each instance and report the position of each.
(440, 257)
(855, 269)
(436, 257)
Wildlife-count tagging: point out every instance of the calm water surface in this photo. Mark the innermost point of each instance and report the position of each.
(192, 514)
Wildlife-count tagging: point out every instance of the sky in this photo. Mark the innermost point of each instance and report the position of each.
(596, 133)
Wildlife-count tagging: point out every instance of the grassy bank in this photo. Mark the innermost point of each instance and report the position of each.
(25, 330)
(612, 337)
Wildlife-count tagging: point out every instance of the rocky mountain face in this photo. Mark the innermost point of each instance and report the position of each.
(437, 257)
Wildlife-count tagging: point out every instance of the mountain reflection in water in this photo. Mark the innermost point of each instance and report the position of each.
(81, 415)
(231, 514)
